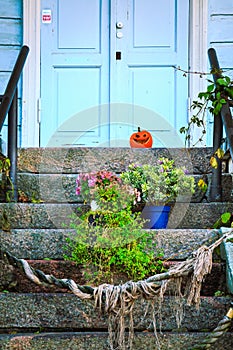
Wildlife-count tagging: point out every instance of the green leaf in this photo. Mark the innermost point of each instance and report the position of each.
(228, 79)
(223, 101)
(225, 217)
(222, 81)
(218, 95)
(210, 88)
(203, 94)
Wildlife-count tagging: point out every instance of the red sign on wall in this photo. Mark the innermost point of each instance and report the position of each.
(46, 16)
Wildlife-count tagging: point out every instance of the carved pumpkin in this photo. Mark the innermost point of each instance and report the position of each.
(141, 139)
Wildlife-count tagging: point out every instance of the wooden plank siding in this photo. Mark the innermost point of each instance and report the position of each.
(220, 31)
(11, 38)
(220, 37)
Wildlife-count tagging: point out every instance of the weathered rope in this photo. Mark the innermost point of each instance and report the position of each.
(40, 278)
(117, 301)
(222, 327)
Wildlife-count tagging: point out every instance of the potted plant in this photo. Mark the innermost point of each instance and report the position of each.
(157, 186)
(106, 194)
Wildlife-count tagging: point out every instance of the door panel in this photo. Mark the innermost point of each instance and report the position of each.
(74, 68)
(154, 40)
(151, 18)
(143, 90)
(75, 17)
(120, 53)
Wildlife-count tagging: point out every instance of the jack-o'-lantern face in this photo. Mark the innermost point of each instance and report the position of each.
(141, 139)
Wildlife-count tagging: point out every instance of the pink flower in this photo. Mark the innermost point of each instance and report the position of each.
(78, 190)
(92, 181)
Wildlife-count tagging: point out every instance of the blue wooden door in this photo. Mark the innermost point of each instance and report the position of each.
(108, 67)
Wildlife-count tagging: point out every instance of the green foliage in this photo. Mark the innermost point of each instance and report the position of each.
(6, 186)
(136, 178)
(219, 293)
(159, 183)
(225, 220)
(211, 101)
(114, 243)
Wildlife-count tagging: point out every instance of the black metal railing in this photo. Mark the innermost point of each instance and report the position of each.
(224, 119)
(9, 107)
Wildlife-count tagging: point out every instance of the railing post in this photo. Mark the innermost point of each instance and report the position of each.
(9, 105)
(215, 194)
(11, 86)
(12, 142)
(225, 112)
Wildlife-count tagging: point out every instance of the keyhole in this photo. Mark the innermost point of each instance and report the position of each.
(118, 55)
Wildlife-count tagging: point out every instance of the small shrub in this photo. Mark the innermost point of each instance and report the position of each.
(114, 243)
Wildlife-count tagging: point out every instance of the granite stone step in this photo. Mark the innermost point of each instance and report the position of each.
(60, 188)
(57, 215)
(76, 160)
(57, 320)
(49, 174)
(99, 340)
(60, 311)
(39, 244)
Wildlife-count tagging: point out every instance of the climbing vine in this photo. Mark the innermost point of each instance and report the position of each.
(216, 95)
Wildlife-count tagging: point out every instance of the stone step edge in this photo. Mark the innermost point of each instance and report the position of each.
(94, 340)
(38, 244)
(67, 311)
(89, 340)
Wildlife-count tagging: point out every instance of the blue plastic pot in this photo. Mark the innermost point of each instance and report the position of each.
(157, 216)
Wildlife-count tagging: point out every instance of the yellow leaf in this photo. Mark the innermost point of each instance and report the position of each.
(202, 185)
(213, 162)
(219, 153)
(201, 182)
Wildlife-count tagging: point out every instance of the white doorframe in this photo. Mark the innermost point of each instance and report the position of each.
(31, 74)
(198, 44)
(198, 53)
